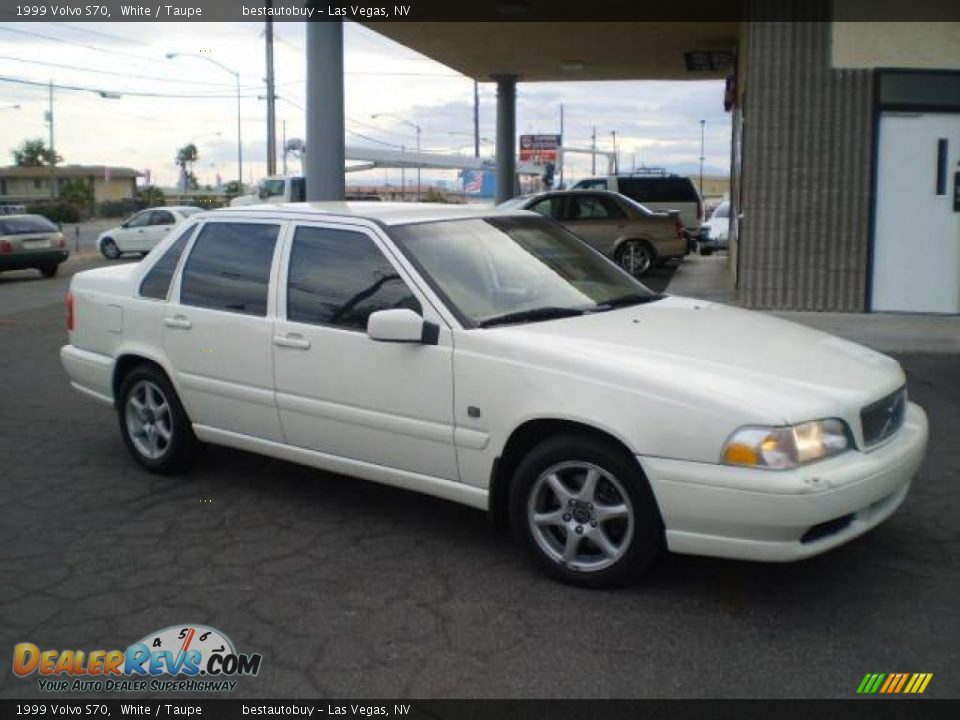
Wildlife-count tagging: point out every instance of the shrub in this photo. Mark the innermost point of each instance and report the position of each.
(57, 212)
(120, 208)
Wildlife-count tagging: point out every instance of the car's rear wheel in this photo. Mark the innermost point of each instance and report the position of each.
(584, 511)
(153, 423)
(48, 271)
(636, 257)
(109, 249)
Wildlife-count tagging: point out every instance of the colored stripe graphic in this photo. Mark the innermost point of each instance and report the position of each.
(894, 683)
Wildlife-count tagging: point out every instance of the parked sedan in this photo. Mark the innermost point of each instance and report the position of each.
(143, 230)
(631, 234)
(31, 241)
(492, 358)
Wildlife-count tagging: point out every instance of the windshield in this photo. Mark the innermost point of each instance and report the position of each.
(497, 270)
(26, 224)
(722, 211)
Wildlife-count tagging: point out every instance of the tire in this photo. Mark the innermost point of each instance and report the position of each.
(109, 249)
(621, 531)
(636, 257)
(153, 423)
(49, 271)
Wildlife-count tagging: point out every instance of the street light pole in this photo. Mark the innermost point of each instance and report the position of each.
(702, 125)
(236, 76)
(415, 127)
(53, 154)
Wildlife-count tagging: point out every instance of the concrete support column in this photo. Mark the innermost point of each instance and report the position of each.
(506, 136)
(324, 157)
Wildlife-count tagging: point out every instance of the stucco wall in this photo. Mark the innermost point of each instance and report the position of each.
(926, 45)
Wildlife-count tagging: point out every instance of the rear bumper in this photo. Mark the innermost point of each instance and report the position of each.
(90, 373)
(748, 514)
(25, 259)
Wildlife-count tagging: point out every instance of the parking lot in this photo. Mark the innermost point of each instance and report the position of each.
(350, 589)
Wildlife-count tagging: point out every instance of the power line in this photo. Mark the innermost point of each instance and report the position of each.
(23, 81)
(120, 74)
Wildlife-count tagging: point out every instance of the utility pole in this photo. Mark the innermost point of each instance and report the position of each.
(53, 153)
(616, 155)
(284, 141)
(593, 157)
(702, 125)
(560, 149)
(271, 100)
(476, 119)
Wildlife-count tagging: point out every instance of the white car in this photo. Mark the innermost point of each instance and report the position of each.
(143, 230)
(493, 359)
(715, 232)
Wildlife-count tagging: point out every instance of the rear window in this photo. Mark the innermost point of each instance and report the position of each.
(26, 224)
(658, 189)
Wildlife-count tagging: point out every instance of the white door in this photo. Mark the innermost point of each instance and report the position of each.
(161, 222)
(338, 391)
(218, 329)
(916, 261)
(129, 238)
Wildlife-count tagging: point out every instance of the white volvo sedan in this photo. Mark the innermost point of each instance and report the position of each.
(493, 359)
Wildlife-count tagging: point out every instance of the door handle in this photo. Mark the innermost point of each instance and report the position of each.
(180, 322)
(292, 340)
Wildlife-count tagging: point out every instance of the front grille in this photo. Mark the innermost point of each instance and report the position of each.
(883, 418)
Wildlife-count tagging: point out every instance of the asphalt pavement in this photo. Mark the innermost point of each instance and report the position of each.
(351, 589)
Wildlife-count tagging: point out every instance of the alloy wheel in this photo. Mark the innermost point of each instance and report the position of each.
(149, 420)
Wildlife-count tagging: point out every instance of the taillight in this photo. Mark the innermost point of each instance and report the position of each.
(679, 227)
(5, 246)
(70, 312)
(62, 243)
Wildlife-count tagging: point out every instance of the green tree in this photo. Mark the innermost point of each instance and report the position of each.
(232, 189)
(151, 196)
(78, 193)
(35, 153)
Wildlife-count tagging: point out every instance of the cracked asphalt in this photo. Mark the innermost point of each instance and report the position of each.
(350, 589)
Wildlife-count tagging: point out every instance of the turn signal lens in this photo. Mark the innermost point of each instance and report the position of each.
(70, 311)
(782, 448)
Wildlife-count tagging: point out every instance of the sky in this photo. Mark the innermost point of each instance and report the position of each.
(657, 123)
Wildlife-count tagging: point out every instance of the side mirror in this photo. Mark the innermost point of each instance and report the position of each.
(402, 326)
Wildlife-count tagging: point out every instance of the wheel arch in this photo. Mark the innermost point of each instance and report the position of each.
(126, 362)
(524, 438)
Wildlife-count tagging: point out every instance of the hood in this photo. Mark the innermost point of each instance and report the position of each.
(782, 371)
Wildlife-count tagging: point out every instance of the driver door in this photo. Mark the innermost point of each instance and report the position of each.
(338, 391)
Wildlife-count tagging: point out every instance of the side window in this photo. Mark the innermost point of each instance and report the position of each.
(339, 277)
(162, 217)
(139, 220)
(551, 207)
(610, 207)
(229, 267)
(156, 284)
(587, 208)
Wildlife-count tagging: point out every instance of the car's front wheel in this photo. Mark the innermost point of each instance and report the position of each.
(109, 249)
(154, 425)
(584, 511)
(636, 257)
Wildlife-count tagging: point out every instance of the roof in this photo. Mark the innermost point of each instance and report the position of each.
(385, 213)
(42, 171)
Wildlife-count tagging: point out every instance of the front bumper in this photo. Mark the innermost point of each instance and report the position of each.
(778, 516)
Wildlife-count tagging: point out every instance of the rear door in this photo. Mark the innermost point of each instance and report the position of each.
(594, 218)
(338, 391)
(218, 328)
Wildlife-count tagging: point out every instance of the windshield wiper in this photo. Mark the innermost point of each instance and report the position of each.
(542, 313)
(627, 300)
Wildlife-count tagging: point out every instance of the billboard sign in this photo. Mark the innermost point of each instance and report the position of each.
(539, 149)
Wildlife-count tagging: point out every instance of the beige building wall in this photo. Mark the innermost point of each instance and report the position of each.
(924, 45)
(115, 189)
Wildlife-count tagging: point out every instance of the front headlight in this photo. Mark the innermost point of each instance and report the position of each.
(782, 448)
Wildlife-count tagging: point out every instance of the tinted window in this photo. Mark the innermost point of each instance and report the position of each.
(162, 217)
(592, 207)
(229, 268)
(339, 277)
(551, 207)
(658, 189)
(157, 282)
(26, 224)
(594, 183)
